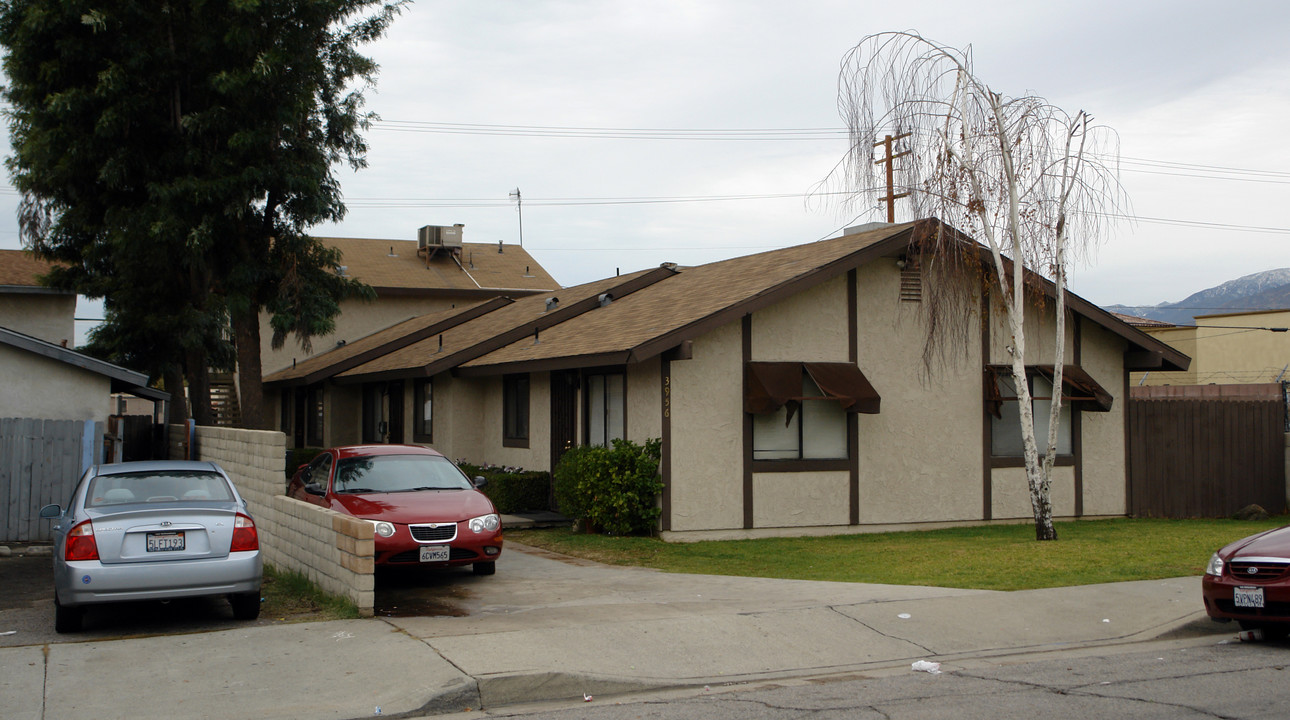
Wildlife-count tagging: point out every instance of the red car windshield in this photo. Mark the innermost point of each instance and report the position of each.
(398, 473)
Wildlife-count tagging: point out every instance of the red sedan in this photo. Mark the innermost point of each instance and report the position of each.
(1249, 581)
(426, 511)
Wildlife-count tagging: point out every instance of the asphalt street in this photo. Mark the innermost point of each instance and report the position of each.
(1174, 680)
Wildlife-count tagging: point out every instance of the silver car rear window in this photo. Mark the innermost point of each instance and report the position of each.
(157, 486)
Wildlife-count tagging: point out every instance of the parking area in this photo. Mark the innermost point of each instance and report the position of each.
(27, 604)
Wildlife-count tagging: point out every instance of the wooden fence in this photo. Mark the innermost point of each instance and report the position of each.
(1206, 456)
(40, 462)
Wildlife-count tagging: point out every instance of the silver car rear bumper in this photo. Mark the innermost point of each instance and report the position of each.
(88, 582)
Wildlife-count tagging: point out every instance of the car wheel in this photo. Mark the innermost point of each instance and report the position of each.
(67, 619)
(484, 568)
(246, 606)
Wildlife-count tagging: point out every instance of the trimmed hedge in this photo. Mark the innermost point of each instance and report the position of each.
(511, 489)
(614, 488)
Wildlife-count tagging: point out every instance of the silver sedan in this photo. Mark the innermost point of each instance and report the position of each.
(153, 530)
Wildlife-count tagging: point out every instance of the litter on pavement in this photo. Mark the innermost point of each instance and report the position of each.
(927, 666)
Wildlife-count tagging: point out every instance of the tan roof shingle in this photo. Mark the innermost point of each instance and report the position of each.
(20, 268)
(395, 265)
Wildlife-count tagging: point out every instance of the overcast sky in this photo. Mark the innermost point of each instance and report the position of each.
(1192, 89)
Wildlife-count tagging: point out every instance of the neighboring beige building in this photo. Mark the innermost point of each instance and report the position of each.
(409, 282)
(1223, 352)
(787, 388)
(28, 307)
(49, 382)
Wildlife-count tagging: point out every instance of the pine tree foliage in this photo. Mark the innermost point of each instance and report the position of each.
(173, 156)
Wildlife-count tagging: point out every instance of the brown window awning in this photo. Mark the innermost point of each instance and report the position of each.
(772, 385)
(1079, 390)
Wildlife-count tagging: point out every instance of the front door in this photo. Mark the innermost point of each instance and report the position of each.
(564, 413)
(383, 412)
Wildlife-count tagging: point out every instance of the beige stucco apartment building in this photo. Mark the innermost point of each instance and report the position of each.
(1224, 351)
(787, 388)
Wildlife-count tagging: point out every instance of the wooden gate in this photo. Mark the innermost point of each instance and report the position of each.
(1206, 456)
(40, 462)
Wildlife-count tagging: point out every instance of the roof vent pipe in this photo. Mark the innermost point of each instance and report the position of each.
(535, 335)
(605, 299)
(552, 303)
(499, 247)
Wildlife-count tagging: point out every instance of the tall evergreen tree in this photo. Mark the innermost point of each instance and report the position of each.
(174, 156)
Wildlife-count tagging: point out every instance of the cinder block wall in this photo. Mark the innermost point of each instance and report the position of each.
(335, 551)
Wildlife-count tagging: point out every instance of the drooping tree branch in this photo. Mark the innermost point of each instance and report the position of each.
(1033, 183)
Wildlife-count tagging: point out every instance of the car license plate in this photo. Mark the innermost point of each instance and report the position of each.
(165, 541)
(434, 553)
(1247, 597)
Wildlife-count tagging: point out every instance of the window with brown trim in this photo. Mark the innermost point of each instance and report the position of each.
(811, 426)
(515, 410)
(1005, 429)
(606, 403)
(1080, 392)
(423, 414)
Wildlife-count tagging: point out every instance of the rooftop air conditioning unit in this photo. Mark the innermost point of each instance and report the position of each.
(428, 237)
(439, 236)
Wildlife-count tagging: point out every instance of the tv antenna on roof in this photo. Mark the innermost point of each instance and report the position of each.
(519, 207)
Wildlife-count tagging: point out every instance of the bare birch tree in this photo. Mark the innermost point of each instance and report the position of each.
(1032, 182)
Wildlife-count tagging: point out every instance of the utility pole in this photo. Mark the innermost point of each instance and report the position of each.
(519, 206)
(892, 195)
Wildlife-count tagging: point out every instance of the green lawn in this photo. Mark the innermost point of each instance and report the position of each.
(996, 557)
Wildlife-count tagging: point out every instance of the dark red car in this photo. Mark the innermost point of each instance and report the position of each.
(1249, 581)
(427, 513)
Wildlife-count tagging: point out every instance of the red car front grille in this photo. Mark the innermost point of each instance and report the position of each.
(1257, 571)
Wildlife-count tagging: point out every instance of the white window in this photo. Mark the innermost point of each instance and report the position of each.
(1005, 428)
(814, 430)
(606, 403)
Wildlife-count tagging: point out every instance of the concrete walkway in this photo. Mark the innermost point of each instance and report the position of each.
(547, 628)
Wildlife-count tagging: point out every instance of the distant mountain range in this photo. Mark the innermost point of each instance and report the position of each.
(1269, 290)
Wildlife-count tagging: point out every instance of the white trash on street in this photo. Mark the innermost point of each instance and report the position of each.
(927, 666)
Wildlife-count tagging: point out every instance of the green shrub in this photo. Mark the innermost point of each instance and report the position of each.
(614, 488)
(512, 489)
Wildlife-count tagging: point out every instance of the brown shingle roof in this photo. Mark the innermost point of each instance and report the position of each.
(703, 298)
(1141, 322)
(481, 267)
(499, 327)
(380, 343)
(19, 268)
(646, 323)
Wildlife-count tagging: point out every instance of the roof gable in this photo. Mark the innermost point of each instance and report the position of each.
(696, 300)
(702, 298)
